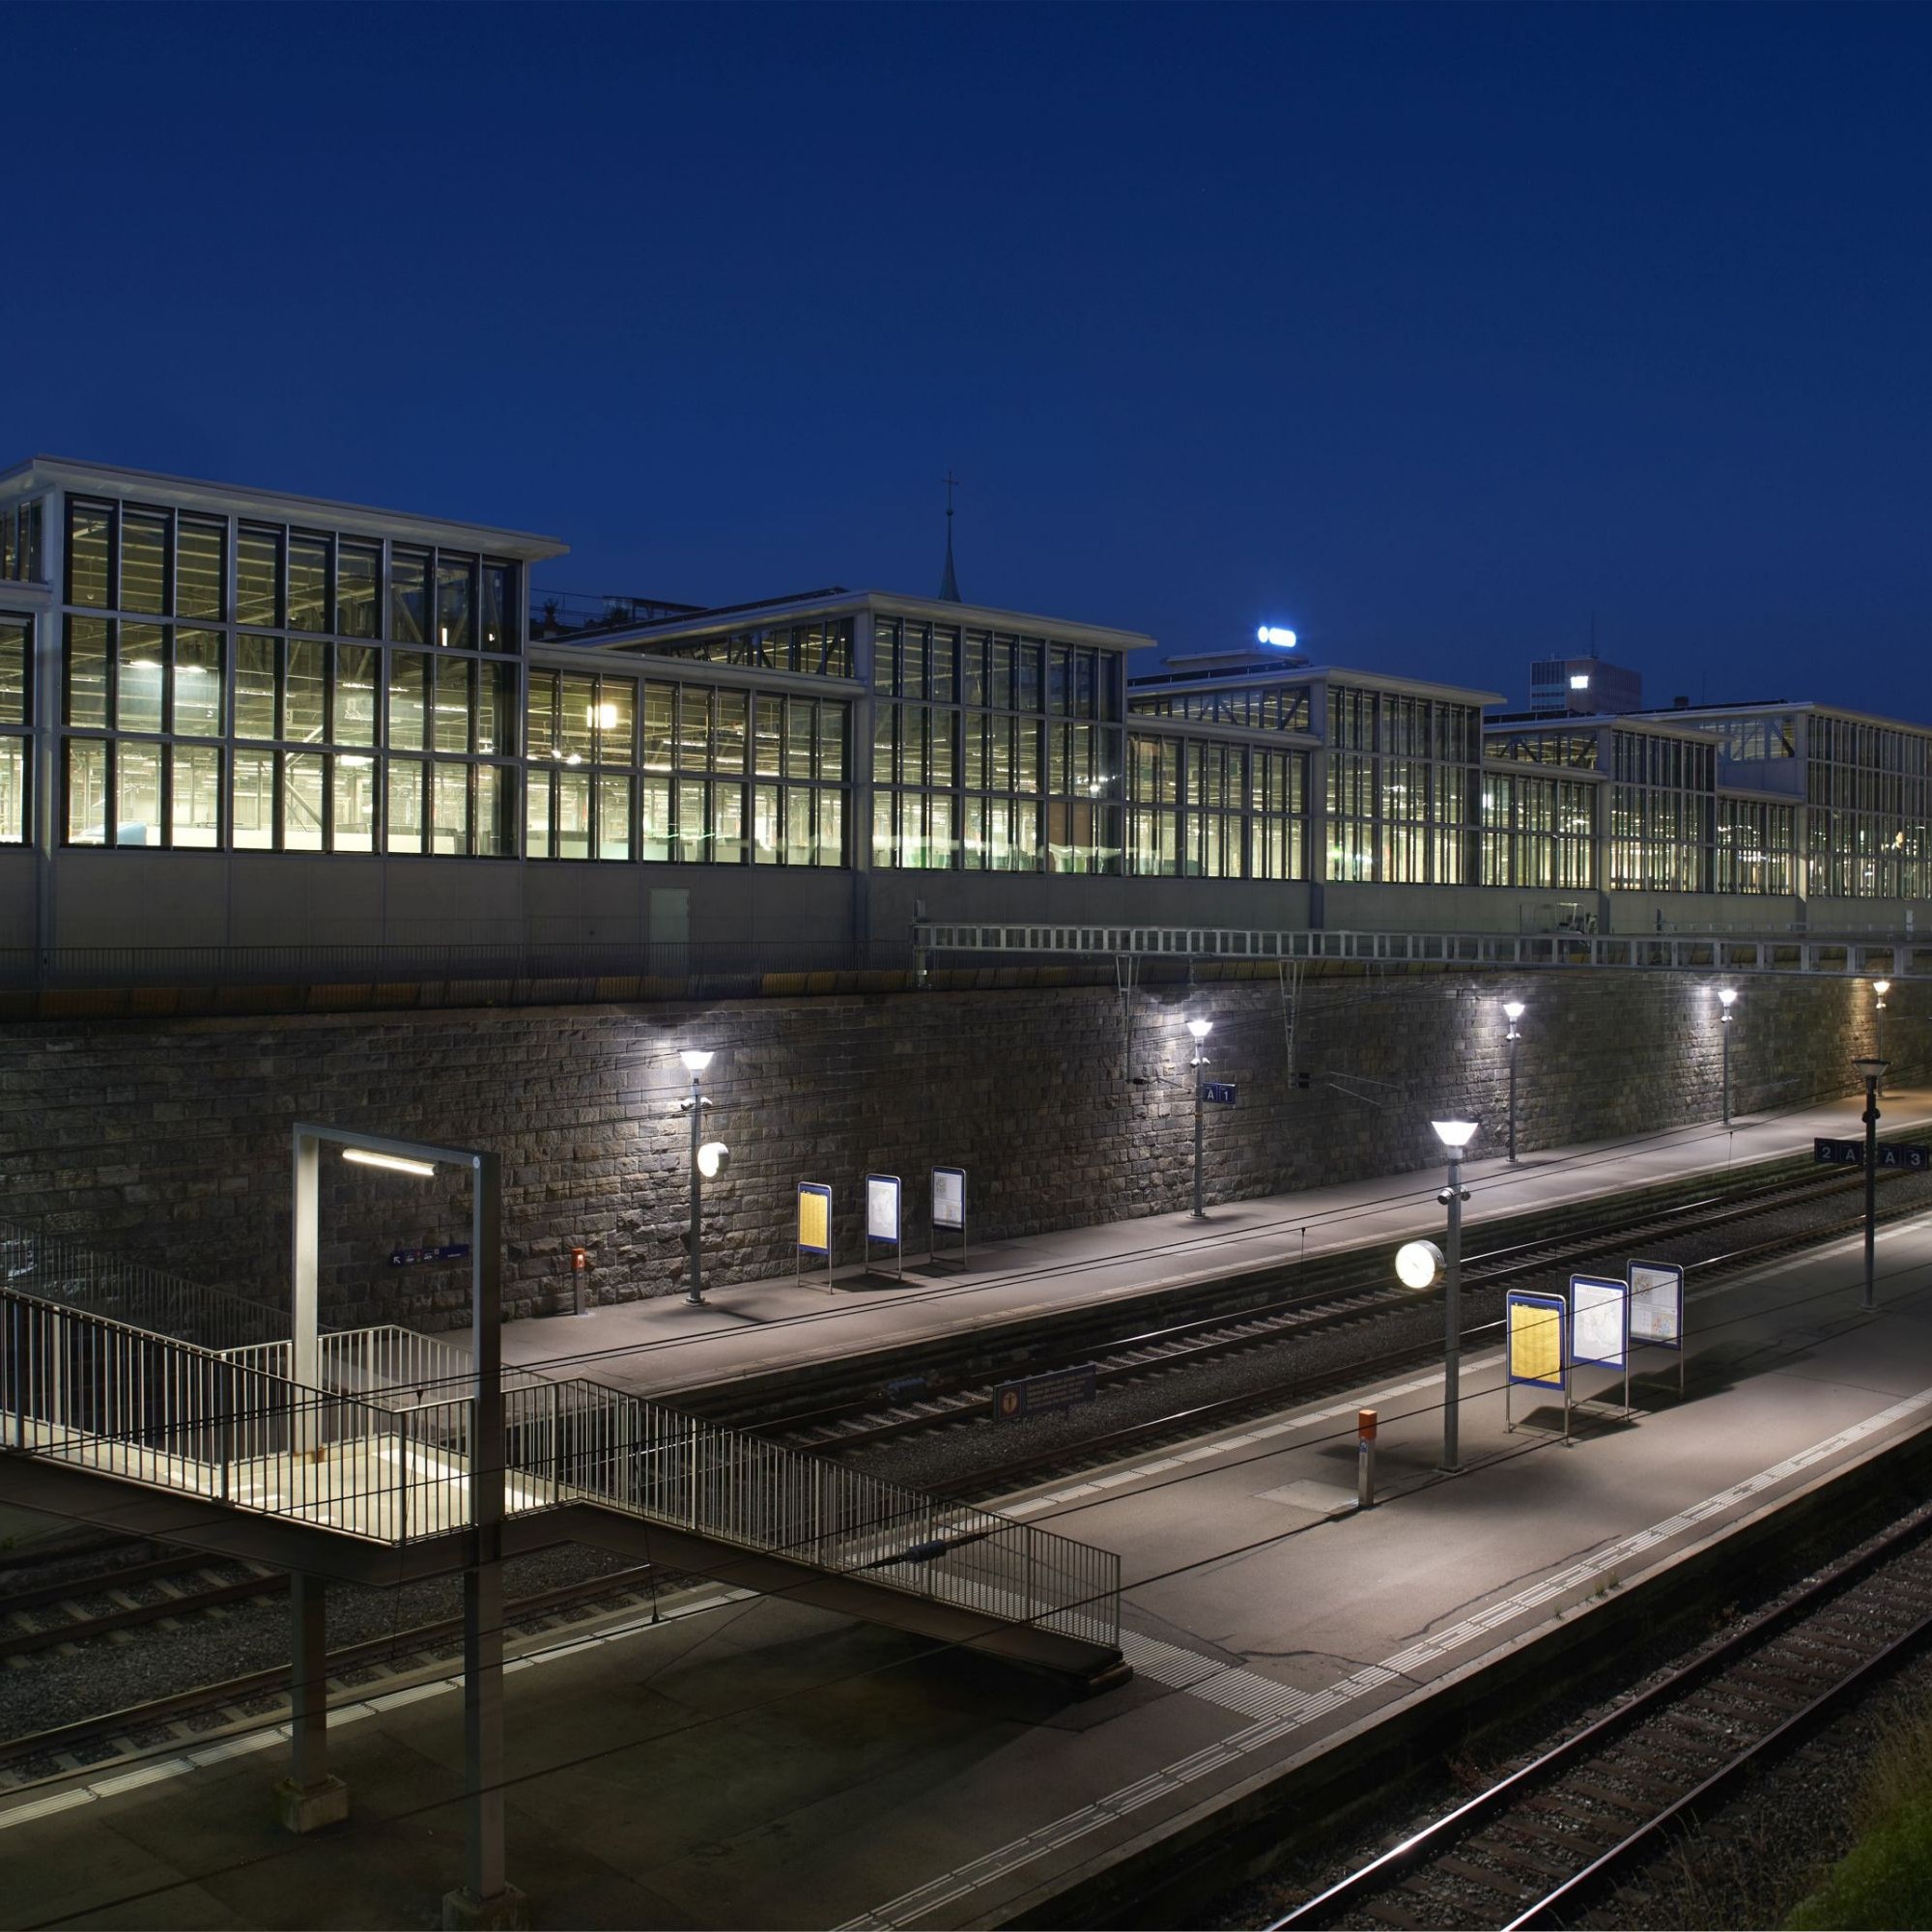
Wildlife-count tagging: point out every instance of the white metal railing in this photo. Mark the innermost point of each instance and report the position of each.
(1898, 958)
(388, 1364)
(148, 1408)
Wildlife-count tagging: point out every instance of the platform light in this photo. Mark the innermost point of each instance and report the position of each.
(1871, 1070)
(1200, 1029)
(1276, 635)
(708, 1160)
(713, 1159)
(1727, 998)
(397, 1163)
(1455, 1135)
(1513, 1011)
(1418, 1264)
(695, 1059)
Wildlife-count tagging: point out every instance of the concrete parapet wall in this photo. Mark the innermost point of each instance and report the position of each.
(168, 1140)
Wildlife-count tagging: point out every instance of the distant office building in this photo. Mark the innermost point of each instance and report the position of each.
(1583, 687)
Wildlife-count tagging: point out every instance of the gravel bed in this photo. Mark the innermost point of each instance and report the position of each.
(1328, 1358)
(50, 1688)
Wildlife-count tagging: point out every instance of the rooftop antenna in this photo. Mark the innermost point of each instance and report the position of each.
(949, 583)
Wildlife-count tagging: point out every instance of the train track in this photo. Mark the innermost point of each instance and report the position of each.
(1183, 1344)
(73, 1600)
(195, 1716)
(1547, 1844)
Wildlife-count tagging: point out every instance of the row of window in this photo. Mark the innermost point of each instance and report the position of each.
(167, 678)
(935, 831)
(940, 664)
(820, 649)
(1539, 831)
(133, 558)
(1278, 709)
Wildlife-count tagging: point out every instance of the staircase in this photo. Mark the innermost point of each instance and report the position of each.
(367, 1476)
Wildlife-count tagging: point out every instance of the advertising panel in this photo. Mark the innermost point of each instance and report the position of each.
(814, 1218)
(1657, 1303)
(1535, 1329)
(1599, 1321)
(882, 1206)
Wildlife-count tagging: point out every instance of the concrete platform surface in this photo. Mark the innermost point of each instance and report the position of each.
(658, 1347)
(766, 1764)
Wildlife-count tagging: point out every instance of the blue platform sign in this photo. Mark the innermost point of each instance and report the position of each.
(450, 1251)
(1218, 1093)
(1061, 1388)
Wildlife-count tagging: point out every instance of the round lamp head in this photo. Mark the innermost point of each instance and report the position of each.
(1514, 1010)
(713, 1159)
(1880, 987)
(1455, 1135)
(1418, 1264)
(1871, 1070)
(1728, 997)
(695, 1060)
(1200, 1029)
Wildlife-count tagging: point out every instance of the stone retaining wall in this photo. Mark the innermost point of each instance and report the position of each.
(168, 1140)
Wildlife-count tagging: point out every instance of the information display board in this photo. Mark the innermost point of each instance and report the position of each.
(1599, 1321)
(814, 1218)
(949, 1197)
(882, 1206)
(1657, 1303)
(1535, 1330)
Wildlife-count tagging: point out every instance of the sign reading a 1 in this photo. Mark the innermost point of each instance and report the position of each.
(1913, 1156)
(1218, 1093)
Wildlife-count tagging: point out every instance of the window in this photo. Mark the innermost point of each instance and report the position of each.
(201, 568)
(455, 602)
(258, 577)
(143, 670)
(359, 571)
(20, 540)
(500, 630)
(16, 656)
(408, 595)
(309, 575)
(90, 553)
(143, 560)
(88, 641)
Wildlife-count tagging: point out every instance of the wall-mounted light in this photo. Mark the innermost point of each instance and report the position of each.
(397, 1163)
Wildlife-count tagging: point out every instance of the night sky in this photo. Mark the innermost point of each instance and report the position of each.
(1433, 334)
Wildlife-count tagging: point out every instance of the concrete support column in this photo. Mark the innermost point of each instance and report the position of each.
(309, 1796)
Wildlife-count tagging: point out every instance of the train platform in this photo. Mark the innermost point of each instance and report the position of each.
(659, 1347)
(753, 1762)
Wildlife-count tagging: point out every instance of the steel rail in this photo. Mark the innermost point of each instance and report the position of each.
(1347, 1893)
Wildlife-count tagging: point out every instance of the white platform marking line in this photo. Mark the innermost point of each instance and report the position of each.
(914, 1907)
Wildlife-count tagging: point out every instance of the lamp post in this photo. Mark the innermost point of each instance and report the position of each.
(1870, 1072)
(1880, 988)
(695, 1105)
(1200, 1029)
(1455, 1136)
(1513, 1011)
(1726, 999)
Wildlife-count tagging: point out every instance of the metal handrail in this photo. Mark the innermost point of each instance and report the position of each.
(151, 1408)
(1901, 957)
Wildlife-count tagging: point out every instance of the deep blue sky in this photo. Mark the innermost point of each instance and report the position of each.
(1430, 334)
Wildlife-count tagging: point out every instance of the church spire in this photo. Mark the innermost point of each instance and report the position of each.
(949, 583)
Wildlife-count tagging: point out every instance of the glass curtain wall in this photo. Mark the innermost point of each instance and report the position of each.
(23, 533)
(17, 718)
(1662, 813)
(993, 751)
(1201, 808)
(1401, 788)
(1869, 798)
(622, 767)
(303, 711)
(1757, 846)
(1539, 831)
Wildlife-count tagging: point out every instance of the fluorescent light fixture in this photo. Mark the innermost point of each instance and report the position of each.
(1277, 635)
(1727, 996)
(601, 717)
(713, 1159)
(397, 1163)
(695, 1061)
(1418, 1264)
(1514, 1010)
(1579, 680)
(1200, 1029)
(1455, 1134)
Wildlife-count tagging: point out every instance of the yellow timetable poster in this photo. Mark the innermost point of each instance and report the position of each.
(814, 1229)
(1535, 1343)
